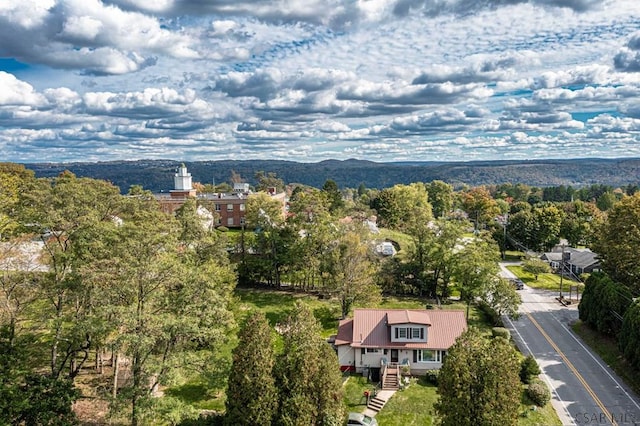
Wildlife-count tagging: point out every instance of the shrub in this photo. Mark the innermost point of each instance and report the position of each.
(222, 228)
(501, 332)
(490, 315)
(432, 376)
(538, 393)
(529, 369)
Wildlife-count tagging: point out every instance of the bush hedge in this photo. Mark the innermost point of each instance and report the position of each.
(538, 393)
(529, 369)
(501, 332)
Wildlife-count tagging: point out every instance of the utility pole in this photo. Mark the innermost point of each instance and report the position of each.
(561, 271)
(504, 236)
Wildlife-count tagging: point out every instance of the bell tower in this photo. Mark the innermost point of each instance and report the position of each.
(182, 183)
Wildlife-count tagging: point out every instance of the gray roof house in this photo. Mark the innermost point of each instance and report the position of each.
(577, 261)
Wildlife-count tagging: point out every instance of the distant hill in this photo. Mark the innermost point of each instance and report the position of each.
(157, 175)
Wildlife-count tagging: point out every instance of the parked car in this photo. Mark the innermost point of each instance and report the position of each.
(517, 283)
(361, 419)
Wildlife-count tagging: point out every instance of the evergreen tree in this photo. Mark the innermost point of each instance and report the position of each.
(252, 397)
(629, 337)
(307, 375)
(479, 383)
(336, 202)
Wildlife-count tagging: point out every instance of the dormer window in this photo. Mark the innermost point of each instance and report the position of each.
(408, 333)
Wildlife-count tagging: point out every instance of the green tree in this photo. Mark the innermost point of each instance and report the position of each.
(603, 303)
(388, 208)
(529, 369)
(520, 228)
(69, 214)
(271, 241)
(440, 197)
(348, 273)
(336, 203)
(43, 400)
(502, 298)
(536, 267)
(476, 266)
(480, 206)
(307, 375)
(434, 256)
(478, 383)
(162, 299)
(547, 222)
(617, 241)
(311, 221)
(252, 397)
(192, 225)
(629, 337)
(14, 180)
(606, 201)
(268, 180)
(579, 221)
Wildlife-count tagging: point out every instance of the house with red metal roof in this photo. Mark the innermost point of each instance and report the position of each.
(375, 338)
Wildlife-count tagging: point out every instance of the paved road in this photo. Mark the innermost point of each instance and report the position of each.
(585, 391)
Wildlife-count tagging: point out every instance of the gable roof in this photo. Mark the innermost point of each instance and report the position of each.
(371, 328)
(583, 258)
(578, 257)
(407, 316)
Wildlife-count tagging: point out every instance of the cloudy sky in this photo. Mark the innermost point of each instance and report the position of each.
(307, 80)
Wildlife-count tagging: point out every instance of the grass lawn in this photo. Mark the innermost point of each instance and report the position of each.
(607, 348)
(414, 406)
(545, 281)
(277, 305)
(354, 389)
(545, 416)
(411, 406)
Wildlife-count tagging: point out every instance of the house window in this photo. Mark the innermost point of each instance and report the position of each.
(230, 221)
(241, 207)
(427, 355)
(217, 207)
(409, 333)
(229, 207)
(373, 350)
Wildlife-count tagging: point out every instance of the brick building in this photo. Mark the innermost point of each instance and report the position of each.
(229, 207)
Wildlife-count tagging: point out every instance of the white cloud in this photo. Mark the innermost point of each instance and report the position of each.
(16, 92)
(378, 79)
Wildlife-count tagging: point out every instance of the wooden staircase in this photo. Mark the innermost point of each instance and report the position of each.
(391, 379)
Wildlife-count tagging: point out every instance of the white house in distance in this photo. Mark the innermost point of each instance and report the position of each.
(377, 337)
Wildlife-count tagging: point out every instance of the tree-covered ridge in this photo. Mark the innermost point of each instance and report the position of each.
(156, 175)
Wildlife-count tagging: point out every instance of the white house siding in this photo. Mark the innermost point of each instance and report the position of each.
(368, 359)
(346, 356)
(373, 359)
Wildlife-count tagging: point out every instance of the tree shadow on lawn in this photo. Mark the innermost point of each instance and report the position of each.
(197, 394)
